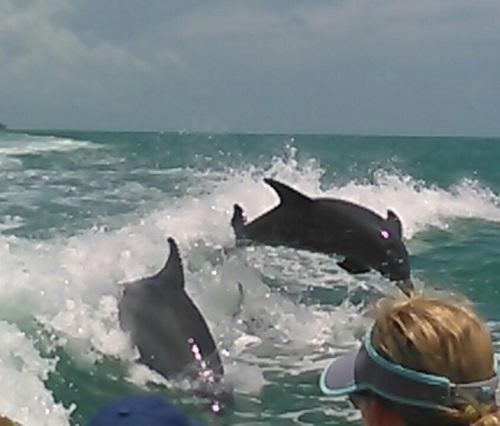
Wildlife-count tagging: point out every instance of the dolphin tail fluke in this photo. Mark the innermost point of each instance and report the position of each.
(172, 272)
(238, 222)
(287, 194)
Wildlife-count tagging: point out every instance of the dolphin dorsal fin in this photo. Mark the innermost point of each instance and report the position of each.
(395, 223)
(172, 273)
(287, 194)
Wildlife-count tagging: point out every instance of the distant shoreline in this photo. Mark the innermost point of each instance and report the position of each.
(375, 135)
(43, 132)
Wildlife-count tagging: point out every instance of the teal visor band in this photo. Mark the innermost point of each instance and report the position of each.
(366, 370)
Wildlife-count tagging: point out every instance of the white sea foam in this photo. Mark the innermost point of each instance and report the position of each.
(418, 204)
(18, 144)
(22, 373)
(10, 222)
(70, 284)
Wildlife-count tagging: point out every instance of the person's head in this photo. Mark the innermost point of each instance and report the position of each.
(144, 410)
(5, 421)
(425, 361)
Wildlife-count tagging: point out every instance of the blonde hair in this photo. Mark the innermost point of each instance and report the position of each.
(443, 337)
(5, 421)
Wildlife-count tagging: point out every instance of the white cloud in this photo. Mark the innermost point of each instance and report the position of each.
(53, 72)
(244, 63)
(303, 32)
(230, 18)
(41, 42)
(424, 20)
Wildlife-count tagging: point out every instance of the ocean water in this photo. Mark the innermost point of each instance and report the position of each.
(83, 212)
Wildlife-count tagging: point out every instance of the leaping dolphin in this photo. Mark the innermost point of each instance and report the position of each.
(167, 327)
(332, 226)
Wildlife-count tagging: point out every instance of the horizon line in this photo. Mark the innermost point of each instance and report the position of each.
(252, 133)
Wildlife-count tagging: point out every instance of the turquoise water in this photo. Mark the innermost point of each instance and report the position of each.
(82, 212)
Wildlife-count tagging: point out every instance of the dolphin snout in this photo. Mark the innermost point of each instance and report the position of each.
(406, 286)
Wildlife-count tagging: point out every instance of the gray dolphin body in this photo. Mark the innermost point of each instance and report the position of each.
(332, 226)
(166, 326)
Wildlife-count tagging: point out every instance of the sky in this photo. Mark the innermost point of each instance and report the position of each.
(422, 67)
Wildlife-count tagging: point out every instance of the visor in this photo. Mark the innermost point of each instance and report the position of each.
(364, 369)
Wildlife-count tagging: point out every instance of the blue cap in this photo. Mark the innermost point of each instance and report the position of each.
(144, 410)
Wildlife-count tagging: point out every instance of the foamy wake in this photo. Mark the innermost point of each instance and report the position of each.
(19, 144)
(23, 372)
(420, 205)
(70, 285)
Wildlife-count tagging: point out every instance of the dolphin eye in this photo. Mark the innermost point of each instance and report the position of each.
(385, 234)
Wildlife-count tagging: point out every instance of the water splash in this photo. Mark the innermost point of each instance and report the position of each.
(70, 283)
